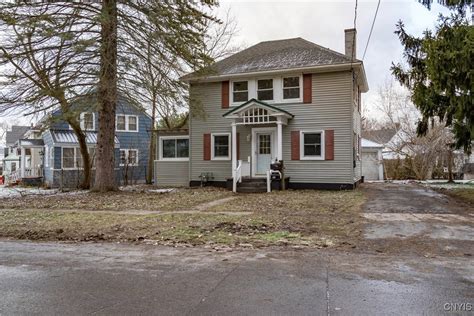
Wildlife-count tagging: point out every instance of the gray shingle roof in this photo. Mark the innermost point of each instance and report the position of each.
(15, 134)
(68, 137)
(277, 55)
(381, 136)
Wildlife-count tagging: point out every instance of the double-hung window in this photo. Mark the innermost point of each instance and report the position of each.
(87, 120)
(220, 146)
(126, 123)
(71, 158)
(128, 157)
(291, 88)
(312, 145)
(174, 148)
(265, 89)
(240, 91)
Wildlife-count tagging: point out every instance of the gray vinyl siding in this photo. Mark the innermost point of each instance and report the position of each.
(331, 108)
(171, 173)
(209, 106)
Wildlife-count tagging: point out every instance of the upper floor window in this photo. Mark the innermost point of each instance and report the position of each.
(291, 87)
(126, 123)
(281, 89)
(87, 121)
(265, 89)
(240, 91)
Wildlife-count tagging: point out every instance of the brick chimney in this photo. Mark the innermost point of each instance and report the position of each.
(350, 43)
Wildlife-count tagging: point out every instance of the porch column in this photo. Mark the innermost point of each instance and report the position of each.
(234, 148)
(22, 162)
(279, 139)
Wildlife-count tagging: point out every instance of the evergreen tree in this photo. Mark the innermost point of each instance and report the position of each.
(440, 74)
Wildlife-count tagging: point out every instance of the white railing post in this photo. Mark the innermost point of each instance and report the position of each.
(234, 149)
(269, 183)
(237, 176)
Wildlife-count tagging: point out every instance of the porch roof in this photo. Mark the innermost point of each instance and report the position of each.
(29, 143)
(67, 137)
(274, 111)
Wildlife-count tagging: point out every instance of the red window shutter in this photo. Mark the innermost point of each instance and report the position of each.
(225, 95)
(307, 88)
(238, 146)
(329, 144)
(295, 145)
(207, 147)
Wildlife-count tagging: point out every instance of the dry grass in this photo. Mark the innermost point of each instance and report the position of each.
(181, 199)
(464, 194)
(305, 218)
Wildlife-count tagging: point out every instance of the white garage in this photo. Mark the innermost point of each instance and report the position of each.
(372, 161)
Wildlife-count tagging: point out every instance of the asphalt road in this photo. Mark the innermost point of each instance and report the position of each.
(114, 279)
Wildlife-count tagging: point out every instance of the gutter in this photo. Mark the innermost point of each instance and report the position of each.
(313, 69)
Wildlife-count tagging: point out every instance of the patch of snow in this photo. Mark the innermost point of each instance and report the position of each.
(9, 192)
(161, 190)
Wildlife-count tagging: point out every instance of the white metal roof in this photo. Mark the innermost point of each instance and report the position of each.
(68, 137)
(369, 143)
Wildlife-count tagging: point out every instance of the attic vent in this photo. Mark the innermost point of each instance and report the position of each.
(255, 115)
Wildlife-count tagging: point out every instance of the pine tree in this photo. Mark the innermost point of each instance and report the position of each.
(440, 74)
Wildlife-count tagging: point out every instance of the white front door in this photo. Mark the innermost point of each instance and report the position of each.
(264, 152)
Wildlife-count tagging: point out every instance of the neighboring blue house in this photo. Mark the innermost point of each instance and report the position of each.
(62, 158)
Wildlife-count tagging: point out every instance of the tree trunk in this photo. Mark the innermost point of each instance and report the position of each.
(151, 155)
(107, 97)
(86, 161)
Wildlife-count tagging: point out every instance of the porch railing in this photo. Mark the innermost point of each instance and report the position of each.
(13, 177)
(237, 175)
(33, 172)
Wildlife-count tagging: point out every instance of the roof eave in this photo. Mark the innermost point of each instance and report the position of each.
(312, 69)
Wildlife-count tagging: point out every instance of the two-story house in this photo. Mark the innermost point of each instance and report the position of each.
(56, 154)
(289, 100)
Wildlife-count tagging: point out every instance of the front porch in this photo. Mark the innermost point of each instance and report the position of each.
(30, 171)
(262, 126)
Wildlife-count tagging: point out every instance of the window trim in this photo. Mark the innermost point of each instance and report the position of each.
(127, 118)
(213, 157)
(300, 99)
(74, 158)
(273, 89)
(278, 88)
(127, 150)
(81, 121)
(231, 87)
(160, 148)
(302, 156)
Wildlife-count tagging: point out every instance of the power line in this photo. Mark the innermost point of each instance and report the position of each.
(371, 29)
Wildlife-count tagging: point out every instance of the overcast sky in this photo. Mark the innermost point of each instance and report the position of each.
(323, 22)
